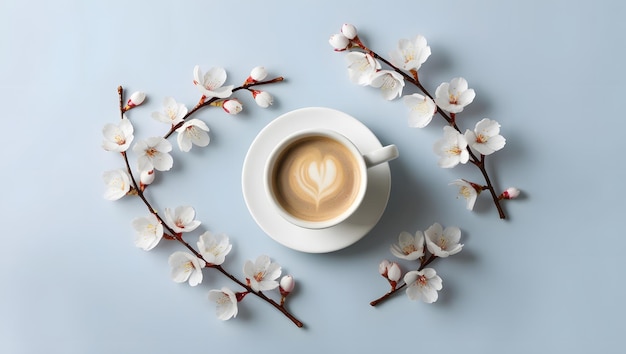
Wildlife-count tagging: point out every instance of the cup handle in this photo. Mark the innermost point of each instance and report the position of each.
(384, 154)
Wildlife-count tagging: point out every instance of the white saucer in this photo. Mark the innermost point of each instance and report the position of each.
(309, 240)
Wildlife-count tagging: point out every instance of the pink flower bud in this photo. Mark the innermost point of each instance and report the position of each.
(287, 284)
(383, 267)
(510, 193)
(146, 177)
(259, 73)
(232, 106)
(262, 98)
(339, 42)
(394, 272)
(136, 99)
(349, 31)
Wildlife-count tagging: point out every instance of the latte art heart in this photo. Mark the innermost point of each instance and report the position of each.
(319, 179)
(316, 178)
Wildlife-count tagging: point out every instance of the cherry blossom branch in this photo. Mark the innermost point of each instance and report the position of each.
(395, 289)
(203, 102)
(280, 307)
(450, 98)
(172, 234)
(450, 119)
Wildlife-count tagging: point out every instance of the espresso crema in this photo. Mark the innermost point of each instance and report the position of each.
(316, 178)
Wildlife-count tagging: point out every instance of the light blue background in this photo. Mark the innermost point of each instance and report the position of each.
(549, 279)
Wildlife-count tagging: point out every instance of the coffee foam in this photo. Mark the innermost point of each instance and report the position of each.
(316, 178)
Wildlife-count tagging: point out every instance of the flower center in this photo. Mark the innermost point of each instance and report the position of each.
(119, 139)
(443, 243)
(224, 299)
(180, 223)
(422, 280)
(119, 182)
(409, 249)
(389, 83)
(422, 107)
(151, 152)
(193, 133)
(259, 276)
(214, 250)
(466, 192)
(409, 56)
(454, 150)
(481, 139)
(453, 99)
(171, 113)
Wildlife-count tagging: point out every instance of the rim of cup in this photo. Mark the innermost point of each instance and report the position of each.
(302, 134)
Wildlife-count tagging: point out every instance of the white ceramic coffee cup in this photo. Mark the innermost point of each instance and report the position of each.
(357, 167)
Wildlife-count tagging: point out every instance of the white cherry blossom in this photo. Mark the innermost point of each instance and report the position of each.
(467, 191)
(211, 83)
(214, 248)
(390, 83)
(262, 274)
(485, 138)
(411, 54)
(452, 149)
(422, 110)
(117, 137)
(173, 112)
(181, 219)
(361, 67)
(186, 267)
(117, 182)
(454, 96)
(226, 303)
(409, 247)
(192, 132)
(153, 153)
(148, 232)
(443, 242)
(423, 285)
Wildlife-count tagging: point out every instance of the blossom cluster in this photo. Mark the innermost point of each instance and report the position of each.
(422, 283)
(365, 68)
(154, 155)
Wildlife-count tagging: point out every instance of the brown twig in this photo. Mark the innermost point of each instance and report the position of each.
(178, 236)
(203, 103)
(393, 291)
(450, 119)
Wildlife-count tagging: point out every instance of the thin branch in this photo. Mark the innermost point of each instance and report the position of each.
(178, 236)
(204, 103)
(450, 119)
(423, 264)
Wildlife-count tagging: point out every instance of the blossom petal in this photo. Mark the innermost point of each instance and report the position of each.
(214, 78)
(226, 302)
(118, 184)
(422, 110)
(361, 67)
(149, 232)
